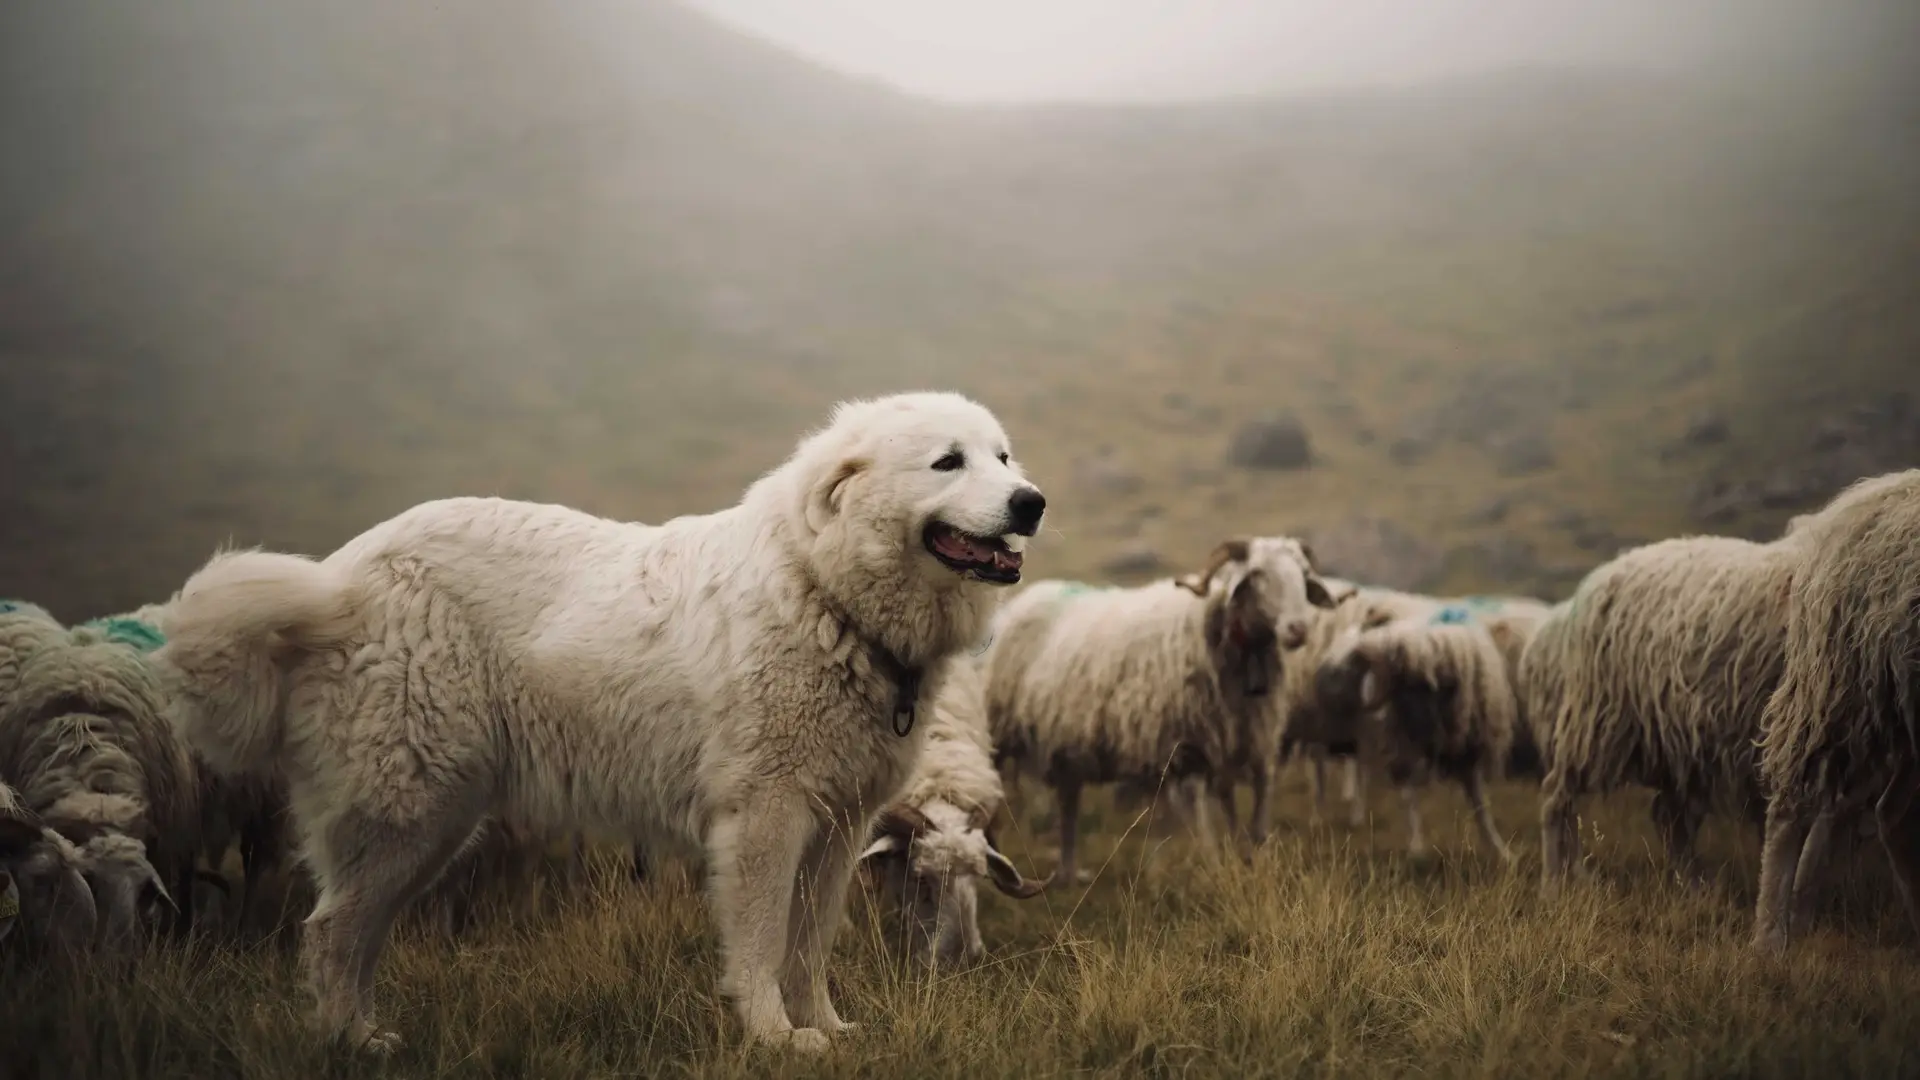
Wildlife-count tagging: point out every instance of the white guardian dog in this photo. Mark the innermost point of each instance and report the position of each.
(747, 681)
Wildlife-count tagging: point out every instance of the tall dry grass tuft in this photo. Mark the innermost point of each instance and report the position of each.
(1332, 954)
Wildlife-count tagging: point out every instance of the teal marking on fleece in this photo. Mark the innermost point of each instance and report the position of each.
(142, 636)
(1464, 610)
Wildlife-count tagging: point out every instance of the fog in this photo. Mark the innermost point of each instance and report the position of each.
(1007, 50)
(1553, 278)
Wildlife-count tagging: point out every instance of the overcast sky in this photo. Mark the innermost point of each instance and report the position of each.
(1015, 49)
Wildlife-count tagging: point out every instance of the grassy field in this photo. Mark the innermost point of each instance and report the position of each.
(264, 285)
(1333, 954)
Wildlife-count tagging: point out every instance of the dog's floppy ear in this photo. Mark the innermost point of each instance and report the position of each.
(823, 502)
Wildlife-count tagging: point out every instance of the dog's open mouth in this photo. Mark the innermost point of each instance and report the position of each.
(987, 558)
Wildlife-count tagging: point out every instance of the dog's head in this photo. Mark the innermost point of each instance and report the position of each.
(930, 862)
(915, 496)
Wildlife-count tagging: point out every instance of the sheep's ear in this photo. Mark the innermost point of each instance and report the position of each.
(823, 502)
(883, 846)
(1317, 593)
(1373, 690)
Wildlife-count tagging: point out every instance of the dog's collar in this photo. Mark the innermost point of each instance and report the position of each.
(906, 680)
(906, 702)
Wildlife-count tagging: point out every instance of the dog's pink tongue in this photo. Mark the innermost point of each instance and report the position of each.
(1007, 560)
(956, 546)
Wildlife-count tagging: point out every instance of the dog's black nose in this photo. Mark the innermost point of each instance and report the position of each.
(1025, 508)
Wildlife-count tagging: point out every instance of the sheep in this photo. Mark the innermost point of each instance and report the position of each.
(934, 842)
(1174, 678)
(44, 895)
(1310, 730)
(1475, 642)
(1434, 696)
(1842, 728)
(84, 740)
(1655, 673)
(250, 809)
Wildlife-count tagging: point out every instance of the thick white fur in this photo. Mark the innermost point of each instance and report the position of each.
(710, 681)
(1108, 684)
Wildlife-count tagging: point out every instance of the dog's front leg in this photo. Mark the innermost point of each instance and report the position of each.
(754, 852)
(819, 902)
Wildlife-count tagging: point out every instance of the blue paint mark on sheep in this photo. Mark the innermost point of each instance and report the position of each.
(144, 637)
(1464, 610)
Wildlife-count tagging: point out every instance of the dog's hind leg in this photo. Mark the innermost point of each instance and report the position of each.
(819, 901)
(754, 856)
(369, 869)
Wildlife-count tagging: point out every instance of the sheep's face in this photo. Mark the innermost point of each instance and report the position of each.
(127, 889)
(44, 900)
(1263, 593)
(931, 862)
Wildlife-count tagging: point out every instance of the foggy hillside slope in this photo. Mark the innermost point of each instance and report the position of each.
(273, 275)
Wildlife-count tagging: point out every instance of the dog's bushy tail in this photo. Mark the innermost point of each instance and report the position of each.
(232, 632)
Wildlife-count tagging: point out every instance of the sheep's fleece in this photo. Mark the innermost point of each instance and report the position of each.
(745, 681)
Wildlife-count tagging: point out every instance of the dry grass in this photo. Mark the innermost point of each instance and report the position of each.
(1331, 955)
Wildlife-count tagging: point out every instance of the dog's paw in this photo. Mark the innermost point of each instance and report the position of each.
(803, 1040)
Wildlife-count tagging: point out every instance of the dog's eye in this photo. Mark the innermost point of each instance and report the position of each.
(950, 462)
(1003, 457)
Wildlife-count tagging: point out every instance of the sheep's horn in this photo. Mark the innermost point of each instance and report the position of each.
(902, 820)
(153, 877)
(1234, 550)
(1007, 877)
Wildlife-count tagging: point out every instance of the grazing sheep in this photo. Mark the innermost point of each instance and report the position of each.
(935, 842)
(84, 739)
(46, 905)
(1841, 732)
(1655, 673)
(250, 809)
(1434, 696)
(1311, 729)
(1175, 678)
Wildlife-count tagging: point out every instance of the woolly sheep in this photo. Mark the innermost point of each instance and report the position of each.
(935, 842)
(1313, 731)
(249, 809)
(1174, 678)
(1655, 673)
(1476, 642)
(46, 905)
(1434, 697)
(1842, 729)
(84, 740)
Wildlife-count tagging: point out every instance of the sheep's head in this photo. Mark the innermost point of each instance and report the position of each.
(125, 885)
(44, 900)
(1368, 676)
(931, 861)
(1263, 593)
